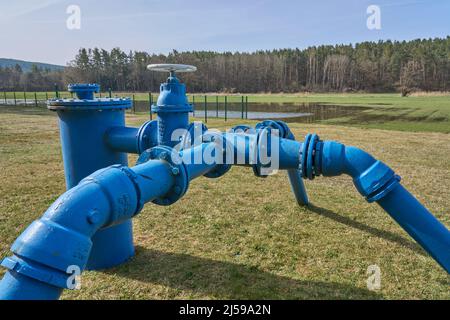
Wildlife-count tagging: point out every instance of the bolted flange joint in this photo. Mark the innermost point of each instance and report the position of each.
(267, 126)
(178, 170)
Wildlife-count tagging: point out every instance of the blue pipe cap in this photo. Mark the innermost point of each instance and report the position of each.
(86, 101)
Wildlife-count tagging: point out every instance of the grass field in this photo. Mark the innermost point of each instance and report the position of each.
(240, 236)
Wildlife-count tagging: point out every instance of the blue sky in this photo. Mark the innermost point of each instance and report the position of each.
(36, 29)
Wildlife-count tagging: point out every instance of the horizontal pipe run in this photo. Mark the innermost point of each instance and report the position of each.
(243, 149)
(123, 139)
(200, 159)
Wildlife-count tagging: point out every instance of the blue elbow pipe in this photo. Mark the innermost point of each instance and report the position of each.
(62, 237)
(378, 183)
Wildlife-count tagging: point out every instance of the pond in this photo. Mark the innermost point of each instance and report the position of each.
(301, 112)
(290, 112)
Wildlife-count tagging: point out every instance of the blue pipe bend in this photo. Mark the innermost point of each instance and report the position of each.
(62, 237)
(377, 182)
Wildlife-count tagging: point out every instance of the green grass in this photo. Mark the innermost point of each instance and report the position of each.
(240, 236)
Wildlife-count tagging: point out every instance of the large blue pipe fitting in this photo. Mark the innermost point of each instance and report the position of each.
(83, 123)
(172, 109)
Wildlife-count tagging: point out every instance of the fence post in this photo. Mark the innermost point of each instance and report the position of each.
(15, 100)
(246, 107)
(46, 95)
(242, 107)
(35, 100)
(217, 106)
(56, 91)
(110, 92)
(134, 104)
(226, 108)
(25, 97)
(150, 102)
(4, 95)
(193, 105)
(206, 109)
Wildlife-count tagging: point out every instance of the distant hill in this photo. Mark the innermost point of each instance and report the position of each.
(26, 65)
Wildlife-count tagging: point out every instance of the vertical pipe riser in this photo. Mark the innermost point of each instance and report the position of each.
(83, 126)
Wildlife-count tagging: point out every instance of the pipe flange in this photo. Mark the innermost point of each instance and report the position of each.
(177, 168)
(282, 127)
(310, 157)
(145, 134)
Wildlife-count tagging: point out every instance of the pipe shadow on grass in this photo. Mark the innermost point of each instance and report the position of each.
(389, 236)
(227, 280)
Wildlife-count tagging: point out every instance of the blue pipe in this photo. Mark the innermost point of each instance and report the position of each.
(132, 140)
(60, 239)
(378, 183)
(428, 231)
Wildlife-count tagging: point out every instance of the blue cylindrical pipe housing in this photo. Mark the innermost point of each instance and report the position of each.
(83, 123)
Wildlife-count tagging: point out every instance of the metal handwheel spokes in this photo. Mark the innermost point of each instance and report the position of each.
(168, 67)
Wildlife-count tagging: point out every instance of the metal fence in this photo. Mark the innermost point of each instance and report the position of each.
(205, 106)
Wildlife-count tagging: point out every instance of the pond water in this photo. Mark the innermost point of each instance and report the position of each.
(290, 112)
(302, 112)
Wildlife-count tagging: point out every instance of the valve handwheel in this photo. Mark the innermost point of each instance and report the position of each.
(168, 67)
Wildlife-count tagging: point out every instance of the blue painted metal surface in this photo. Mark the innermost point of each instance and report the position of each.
(83, 123)
(294, 175)
(172, 107)
(89, 225)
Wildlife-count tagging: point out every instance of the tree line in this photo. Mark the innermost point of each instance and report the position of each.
(383, 66)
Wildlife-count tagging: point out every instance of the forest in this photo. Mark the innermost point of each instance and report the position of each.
(383, 66)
